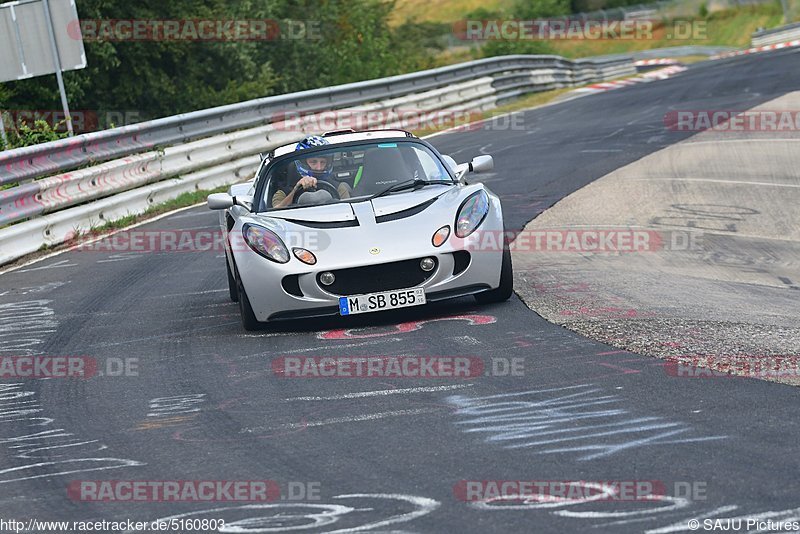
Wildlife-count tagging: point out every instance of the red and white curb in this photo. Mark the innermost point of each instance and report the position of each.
(765, 48)
(663, 61)
(659, 74)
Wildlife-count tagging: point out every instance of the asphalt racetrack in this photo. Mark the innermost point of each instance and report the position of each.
(395, 455)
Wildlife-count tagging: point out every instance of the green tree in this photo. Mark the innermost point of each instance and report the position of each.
(355, 43)
(157, 78)
(528, 10)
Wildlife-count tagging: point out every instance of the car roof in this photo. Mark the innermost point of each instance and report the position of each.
(348, 136)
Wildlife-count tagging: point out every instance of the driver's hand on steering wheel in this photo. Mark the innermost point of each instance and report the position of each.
(306, 182)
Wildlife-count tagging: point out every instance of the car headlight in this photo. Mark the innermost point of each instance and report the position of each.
(265, 243)
(471, 213)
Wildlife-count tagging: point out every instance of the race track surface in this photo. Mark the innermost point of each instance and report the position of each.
(206, 404)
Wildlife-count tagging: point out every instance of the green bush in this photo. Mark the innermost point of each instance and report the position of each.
(25, 135)
(504, 48)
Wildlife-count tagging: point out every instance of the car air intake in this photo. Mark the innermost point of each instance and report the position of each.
(374, 278)
(291, 284)
(405, 213)
(461, 259)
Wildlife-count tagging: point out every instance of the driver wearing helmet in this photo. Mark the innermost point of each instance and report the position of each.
(310, 169)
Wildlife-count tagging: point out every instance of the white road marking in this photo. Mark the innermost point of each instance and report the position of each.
(339, 420)
(381, 393)
(674, 503)
(424, 506)
(122, 256)
(193, 293)
(46, 288)
(56, 265)
(466, 340)
(273, 334)
(24, 325)
(115, 463)
(314, 515)
(542, 423)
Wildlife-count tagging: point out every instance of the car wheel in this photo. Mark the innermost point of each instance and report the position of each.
(506, 287)
(249, 321)
(233, 291)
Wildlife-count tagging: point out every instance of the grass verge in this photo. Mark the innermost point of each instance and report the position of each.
(525, 102)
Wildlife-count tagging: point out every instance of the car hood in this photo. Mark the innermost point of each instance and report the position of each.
(387, 205)
(343, 211)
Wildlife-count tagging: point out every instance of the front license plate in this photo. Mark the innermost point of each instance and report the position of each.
(387, 300)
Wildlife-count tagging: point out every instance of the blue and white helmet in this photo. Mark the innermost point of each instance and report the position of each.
(313, 141)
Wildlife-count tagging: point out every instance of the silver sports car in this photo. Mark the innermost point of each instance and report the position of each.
(348, 223)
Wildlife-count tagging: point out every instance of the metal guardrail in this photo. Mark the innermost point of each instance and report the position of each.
(49, 158)
(672, 52)
(208, 148)
(782, 34)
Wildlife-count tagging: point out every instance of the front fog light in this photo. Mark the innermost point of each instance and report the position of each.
(427, 264)
(327, 278)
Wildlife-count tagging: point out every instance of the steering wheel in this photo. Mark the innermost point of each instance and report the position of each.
(324, 185)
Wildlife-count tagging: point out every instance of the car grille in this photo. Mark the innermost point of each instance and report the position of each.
(374, 278)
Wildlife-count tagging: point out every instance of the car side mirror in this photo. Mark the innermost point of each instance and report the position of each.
(219, 201)
(223, 201)
(481, 164)
(478, 164)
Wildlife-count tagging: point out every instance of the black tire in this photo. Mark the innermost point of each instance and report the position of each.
(506, 287)
(249, 321)
(233, 291)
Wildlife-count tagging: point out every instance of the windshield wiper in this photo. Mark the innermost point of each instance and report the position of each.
(411, 184)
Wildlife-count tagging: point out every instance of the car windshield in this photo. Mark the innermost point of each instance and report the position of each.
(350, 172)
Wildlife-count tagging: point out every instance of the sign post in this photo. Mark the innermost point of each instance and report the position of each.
(57, 65)
(3, 130)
